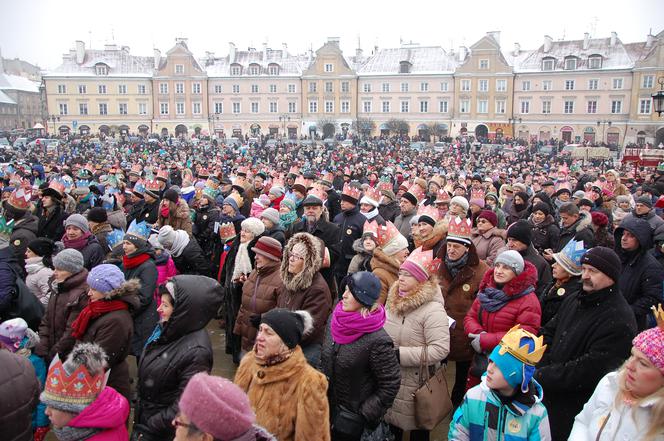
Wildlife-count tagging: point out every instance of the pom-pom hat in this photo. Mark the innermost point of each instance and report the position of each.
(651, 341)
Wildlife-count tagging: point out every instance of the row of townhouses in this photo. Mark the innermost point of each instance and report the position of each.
(594, 89)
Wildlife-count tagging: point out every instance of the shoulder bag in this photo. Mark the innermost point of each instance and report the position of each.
(432, 399)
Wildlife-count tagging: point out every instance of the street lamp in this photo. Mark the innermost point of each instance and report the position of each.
(658, 98)
(603, 123)
(212, 119)
(513, 121)
(53, 119)
(283, 119)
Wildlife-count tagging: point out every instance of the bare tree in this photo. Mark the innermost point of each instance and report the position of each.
(398, 126)
(437, 129)
(364, 126)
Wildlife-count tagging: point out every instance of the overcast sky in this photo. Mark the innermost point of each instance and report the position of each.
(40, 31)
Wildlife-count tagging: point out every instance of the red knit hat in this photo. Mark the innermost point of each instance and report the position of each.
(490, 216)
(268, 247)
(600, 219)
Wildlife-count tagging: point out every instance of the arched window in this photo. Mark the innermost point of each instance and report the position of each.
(101, 69)
(254, 69)
(570, 63)
(548, 63)
(236, 69)
(405, 66)
(273, 69)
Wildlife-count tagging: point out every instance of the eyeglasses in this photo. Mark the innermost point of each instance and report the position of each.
(176, 423)
(295, 257)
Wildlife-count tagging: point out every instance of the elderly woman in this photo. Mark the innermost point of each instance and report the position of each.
(417, 322)
(358, 359)
(628, 403)
(288, 395)
(487, 238)
(566, 272)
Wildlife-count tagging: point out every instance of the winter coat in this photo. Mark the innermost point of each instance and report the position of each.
(165, 268)
(484, 415)
(590, 336)
(289, 398)
(413, 322)
(9, 271)
(192, 260)
(402, 222)
(580, 230)
(145, 314)
(622, 422)
(19, 389)
(361, 261)
(544, 275)
(259, 295)
(306, 290)
(514, 215)
(389, 211)
(351, 224)
(181, 350)
(656, 222)
(108, 412)
(524, 310)
(142, 211)
(553, 295)
(333, 203)
(24, 232)
(641, 277)
(203, 229)
(101, 233)
(545, 234)
(93, 253)
(489, 244)
(363, 376)
(51, 223)
(277, 233)
(179, 218)
(386, 268)
(66, 300)
(459, 293)
(113, 332)
(117, 219)
(37, 278)
(328, 233)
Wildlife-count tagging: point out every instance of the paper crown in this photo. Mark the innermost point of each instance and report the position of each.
(139, 187)
(162, 175)
(417, 191)
(203, 173)
(20, 198)
(152, 185)
(351, 192)
(209, 193)
(477, 194)
(429, 210)
(327, 178)
(529, 351)
(6, 227)
(294, 170)
(278, 182)
(114, 238)
(384, 186)
(460, 229)
(140, 230)
(373, 194)
(108, 202)
(563, 169)
(57, 186)
(318, 192)
(83, 183)
(570, 256)
(442, 196)
(658, 312)
(136, 169)
(386, 233)
(424, 260)
(559, 185)
(437, 179)
(227, 231)
(78, 388)
(371, 227)
(242, 170)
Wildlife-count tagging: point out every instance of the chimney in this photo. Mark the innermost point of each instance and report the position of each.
(265, 52)
(182, 41)
(463, 51)
(495, 35)
(157, 58)
(284, 50)
(517, 49)
(586, 41)
(614, 38)
(231, 52)
(375, 49)
(125, 49)
(650, 39)
(358, 52)
(548, 41)
(80, 51)
(334, 40)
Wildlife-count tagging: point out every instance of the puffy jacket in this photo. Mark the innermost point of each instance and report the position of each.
(259, 295)
(9, 270)
(545, 234)
(165, 268)
(93, 253)
(145, 314)
(19, 389)
(179, 219)
(108, 412)
(66, 300)
(386, 268)
(524, 310)
(181, 350)
(37, 278)
(413, 322)
(489, 244)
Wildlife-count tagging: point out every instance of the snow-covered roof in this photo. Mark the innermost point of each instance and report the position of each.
(289, 65)
(4, 99)
(423, 60)
(15, 82)
(119, 61)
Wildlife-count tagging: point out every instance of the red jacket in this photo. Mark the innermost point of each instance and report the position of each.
(524, 310)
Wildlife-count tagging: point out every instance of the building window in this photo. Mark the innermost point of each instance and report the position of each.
(217, 88)
(101, 89)
(273, 70)
(443, 106)
(568, 107)
(179, 108)
(548, 64)
(329, 106)
(444, 86)
(82, 89)
(328, 87)
(592, 106)
(345, 107)
(142, 90)
(386, 87)
(593, 84)
(122, 108)
(345, 87)
(483, 86)
(291, 88)
(273, 88)
(644, 106)
(525, 85)
(482, 106)
(196, 88)
(329, 67)
(500, 106)
(313, 106)
(179, 68)
(236, 108)
(570, 63)
(163, 88)
(254, 107)
(424, 87)
(254, 70)
(236, 70)
(196, 108)
(163, 108)
(254, 88)
(404, 67)
(424, 106)
(547, 85)
(595, 62)
(385, 107)
(312, 87)
(142, 109)
(484, 64)
(101, 69)
(292, 107)
(103, 109)
(569, 84)
(63, 109)
(617, 83)
(179, 88)
(501, 85)
(366, 87)
(546, 107)
(647, 82)
(218, 107)
(616, 106)
(464, 106)
(465, 85)
(404, 87)
(525, 106)
(236, 88)
(273, 107)
(82, 108)
(405, 106)
(366, 106)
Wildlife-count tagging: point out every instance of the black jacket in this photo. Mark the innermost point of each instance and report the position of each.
(19, 389)
(25, 231)
(552, 297)
(182, 350)
(544, 276)
(580, 230)
(333, 203)
(351, 224)
(145, 315)
(389, 211)
(364, 376)
(93, 253)
(546, 234)
(203, 229)
(51, 223)
(277, 233)
(192, 261)
(589, 337)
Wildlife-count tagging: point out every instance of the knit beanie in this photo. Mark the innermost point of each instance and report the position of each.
(645, 200)
(365, 287)
(41, 246)
(271, 214)
(166, 236)
(253, 225)
(290, 326)
(171, 195)
(521, 231)
(605, 260)
(105, 278)
(544, 208)
(217, 406)
(600, 219)
(268, 247)
(277, 192)
(78, 221)
(69, 260)
(490, 216)
(651, 341)
(410, 198)
(622, 199)
(511, 259)
(98, 215)
(288, 203)
(232, 202)
(12, 332)
(460, 201)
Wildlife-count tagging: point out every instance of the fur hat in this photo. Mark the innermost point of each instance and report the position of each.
(98, 215)
(290, 326)
(253, 225)
(460, 201)
(171, 195)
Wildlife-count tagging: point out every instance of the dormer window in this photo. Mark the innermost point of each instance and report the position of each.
(595, 62)
(548, 63)
(236, 69)
(570, 63)
(101, 69)
(273, 69)
(405, 66)
(254, 69)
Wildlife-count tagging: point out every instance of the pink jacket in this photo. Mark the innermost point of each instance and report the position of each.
(108, 412)
(164, 272)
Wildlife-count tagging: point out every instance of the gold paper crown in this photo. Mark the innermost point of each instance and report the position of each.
(658, 312)
(511, 343)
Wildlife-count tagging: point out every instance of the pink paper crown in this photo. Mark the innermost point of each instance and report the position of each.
(424, 260)
(20, 198)
(162, 174)
(371, 227)
(384, 186)
(477, 194)
(351, 191)
(318, 192)
(442, 196)
(373, 194)
(294, 170)
(227, 231)
(429, 210)
(386, 233)
(460, 228)
(417, 191)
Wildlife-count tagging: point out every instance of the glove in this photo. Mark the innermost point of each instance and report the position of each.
(255, 320)
(475, 343)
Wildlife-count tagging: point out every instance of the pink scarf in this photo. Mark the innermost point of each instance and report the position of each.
(346, 327)
(77, 244)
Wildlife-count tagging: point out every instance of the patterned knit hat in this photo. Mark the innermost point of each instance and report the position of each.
(651, 341)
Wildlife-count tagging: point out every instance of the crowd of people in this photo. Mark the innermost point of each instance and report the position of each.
(345, 280)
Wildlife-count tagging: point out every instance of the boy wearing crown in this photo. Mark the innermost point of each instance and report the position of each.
(508, 402)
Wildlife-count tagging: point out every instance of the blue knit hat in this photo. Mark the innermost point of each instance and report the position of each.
(105, 278)
(232, 202)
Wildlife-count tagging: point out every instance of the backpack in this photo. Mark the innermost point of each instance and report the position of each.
(25, 305)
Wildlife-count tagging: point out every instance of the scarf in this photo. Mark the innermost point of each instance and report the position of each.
(242, 262)
(271, 360)
(34, 264)
(493, 299)
(287, 219)
(92, 311)
(454, 266)
(129, 262)
(370, 215)
(165, 211)
(179, 243)
(155, 334)
(74, 433)
(77, 244)
(347, 327)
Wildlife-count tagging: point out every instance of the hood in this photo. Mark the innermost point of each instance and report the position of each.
(426, 292)
(39, 169)
(108, 411)
(358, 247)
(528, 278)
(197, 299)
(312, 262)
(639, 228)
(128, 293)
(521, 402)
(27, 222)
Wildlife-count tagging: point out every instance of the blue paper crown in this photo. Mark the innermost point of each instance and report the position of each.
(107, 202)
(139, 188)
(574, 251)
(83, 183)
(141, 229)
(114, 238)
